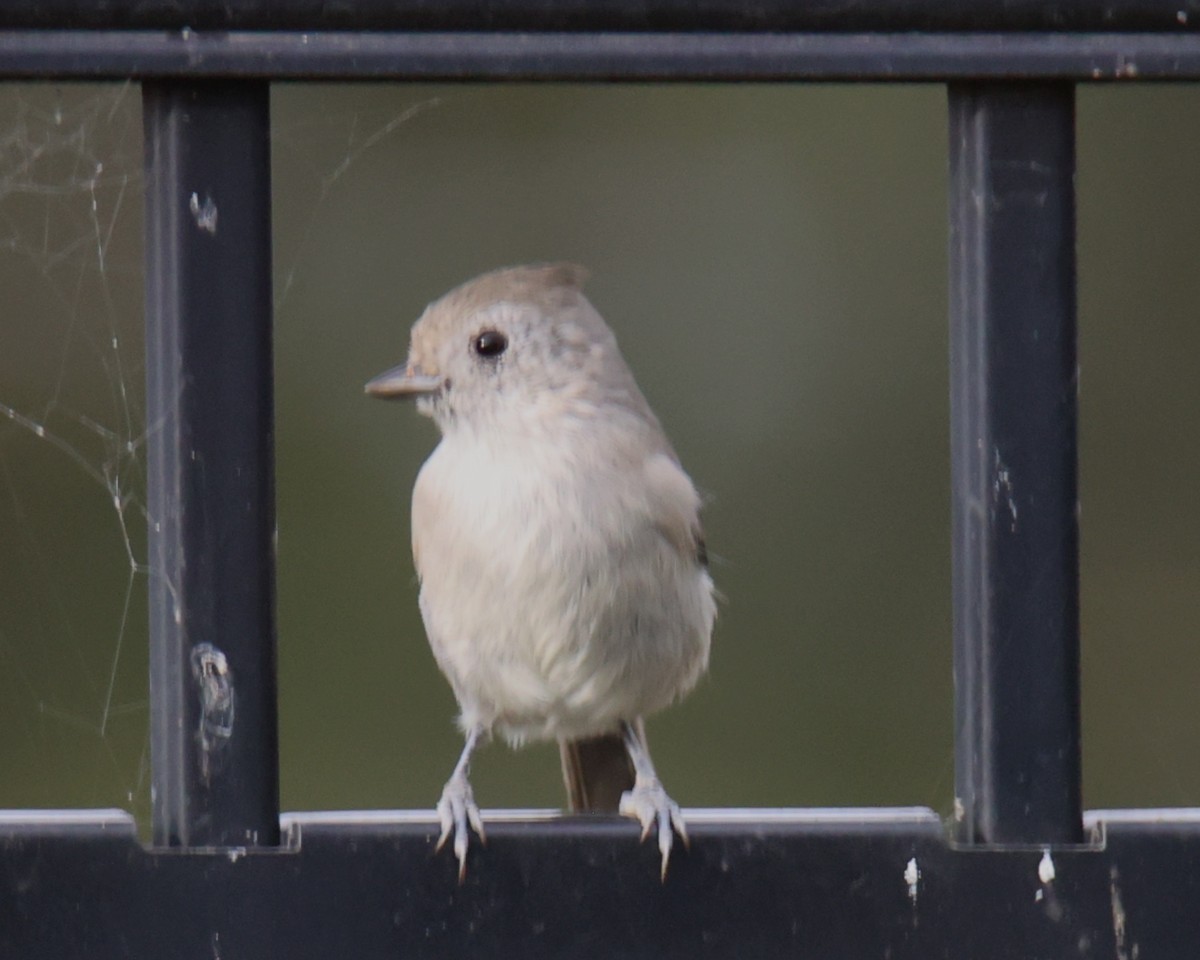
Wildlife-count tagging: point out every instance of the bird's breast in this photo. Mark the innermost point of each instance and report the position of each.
(552, 601)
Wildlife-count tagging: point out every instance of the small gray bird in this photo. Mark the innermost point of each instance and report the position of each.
(564, 580)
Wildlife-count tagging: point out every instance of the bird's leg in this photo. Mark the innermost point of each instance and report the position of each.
(648, 801)
(456, 809)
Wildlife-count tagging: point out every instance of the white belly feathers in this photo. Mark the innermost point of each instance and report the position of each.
(613, 620)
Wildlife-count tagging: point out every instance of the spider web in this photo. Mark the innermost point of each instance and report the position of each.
(72, 442)
(73, 507)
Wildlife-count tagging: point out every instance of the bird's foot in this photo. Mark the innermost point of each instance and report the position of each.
(456, 810)
(648, 802)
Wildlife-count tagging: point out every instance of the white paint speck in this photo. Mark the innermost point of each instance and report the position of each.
(204, 213)
(1118, 914)
(912, 877)
(1046, 867)
(1002, 488)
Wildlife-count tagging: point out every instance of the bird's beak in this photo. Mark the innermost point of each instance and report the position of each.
(401, 382)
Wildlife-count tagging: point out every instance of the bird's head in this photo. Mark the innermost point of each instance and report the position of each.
(513, 346)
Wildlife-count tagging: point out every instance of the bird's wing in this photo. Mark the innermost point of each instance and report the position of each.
(675, 506)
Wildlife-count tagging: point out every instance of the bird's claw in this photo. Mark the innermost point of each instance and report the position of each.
(648, 802)
(458, 814)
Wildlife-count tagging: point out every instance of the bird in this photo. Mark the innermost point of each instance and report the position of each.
(564, 581)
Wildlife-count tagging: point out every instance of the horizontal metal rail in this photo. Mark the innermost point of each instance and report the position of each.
(606, 14)
(122, 54)
(876, 883)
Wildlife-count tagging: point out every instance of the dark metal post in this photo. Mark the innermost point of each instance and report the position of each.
(211, 485)
(1013, 446)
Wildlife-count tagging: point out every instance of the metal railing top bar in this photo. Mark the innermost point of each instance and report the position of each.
(842, 57)
(764, 15)
(585, 888)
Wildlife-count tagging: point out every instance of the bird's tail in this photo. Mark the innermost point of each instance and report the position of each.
(597, 771)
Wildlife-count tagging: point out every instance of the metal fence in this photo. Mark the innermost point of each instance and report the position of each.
(1022, 871)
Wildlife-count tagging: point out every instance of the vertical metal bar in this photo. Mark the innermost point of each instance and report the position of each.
(1013, 448)
(211, 484)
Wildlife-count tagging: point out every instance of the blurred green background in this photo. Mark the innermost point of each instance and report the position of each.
(773, 260)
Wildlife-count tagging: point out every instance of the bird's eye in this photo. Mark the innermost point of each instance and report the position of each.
(490, 343)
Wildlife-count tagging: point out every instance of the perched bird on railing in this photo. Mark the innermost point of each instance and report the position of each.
(564, 580)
